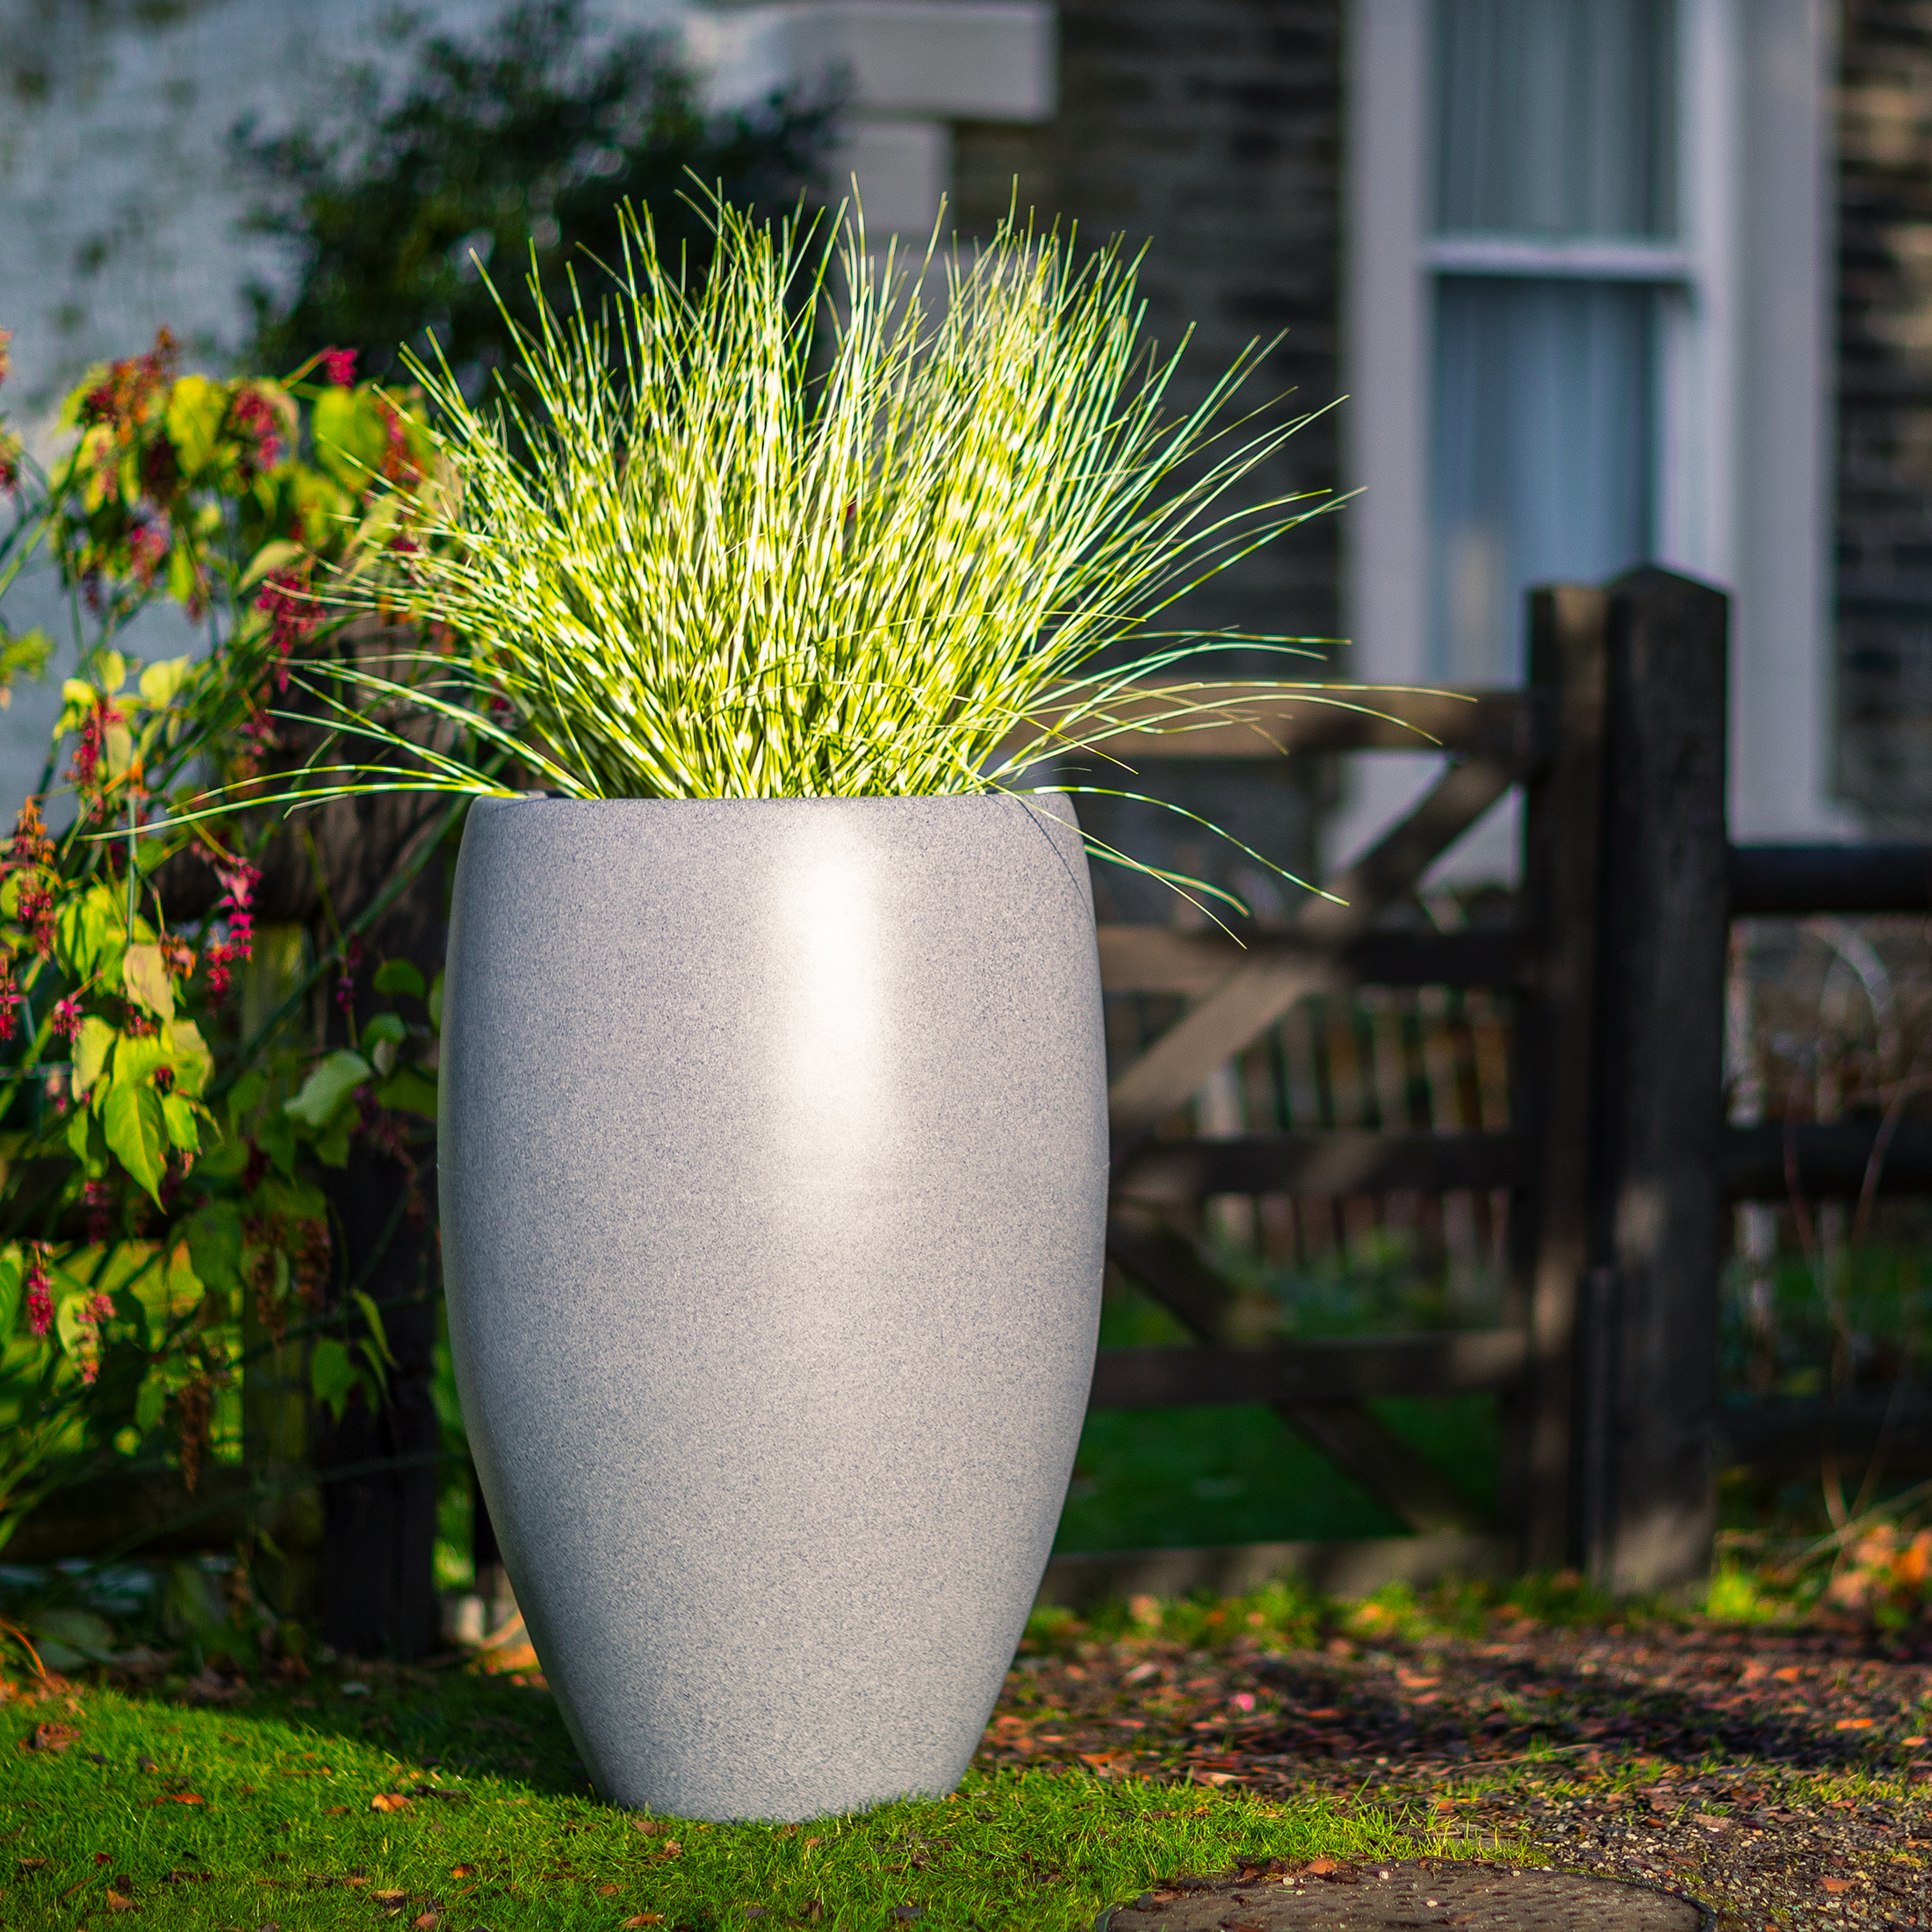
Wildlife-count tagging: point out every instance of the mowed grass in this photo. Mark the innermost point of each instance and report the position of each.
(266, 1813)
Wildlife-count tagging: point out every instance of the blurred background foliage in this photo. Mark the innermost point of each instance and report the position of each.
(524, 141)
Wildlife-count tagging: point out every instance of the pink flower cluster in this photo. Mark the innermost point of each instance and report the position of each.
(253, 416)
(240, 880)
(39, 1292)
(292, 617)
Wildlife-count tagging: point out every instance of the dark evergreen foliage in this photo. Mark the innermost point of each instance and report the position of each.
(521, 137)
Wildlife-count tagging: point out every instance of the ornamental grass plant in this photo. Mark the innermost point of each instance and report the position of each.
(792, 529)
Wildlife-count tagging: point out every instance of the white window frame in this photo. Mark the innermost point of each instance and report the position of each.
(1743, 488)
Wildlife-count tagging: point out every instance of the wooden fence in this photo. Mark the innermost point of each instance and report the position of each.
(1610, 1161)
(1563, 1106)
(1597, 690)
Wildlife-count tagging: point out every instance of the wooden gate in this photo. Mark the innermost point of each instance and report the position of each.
(1614, 979)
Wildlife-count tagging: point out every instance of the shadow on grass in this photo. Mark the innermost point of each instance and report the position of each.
(447, 1720)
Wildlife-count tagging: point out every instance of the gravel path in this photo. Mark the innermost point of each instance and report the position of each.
(1785, 1779)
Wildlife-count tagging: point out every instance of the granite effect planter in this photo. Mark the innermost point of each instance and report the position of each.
(774, 1183)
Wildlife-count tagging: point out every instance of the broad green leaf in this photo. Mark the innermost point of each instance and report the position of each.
(332, 1145)
(327, 1090)
(150, 853)
(161, 683)
(331, 1375)
(111, 668)
(350, 436)
(90, 1051)
(387, 1026)
(246, 1094)
(179, 1117)
(188, 1053)
(272, 557)
(275, 1134)
(214, 1243)
(151, 1403)
(409, 1092)
(397, 976)
(137, 1133)
(436, 1002)
(184, 580)
(70, 1319)
(22, 653)
(136, 1057)
(195, 409)
(12, 1272)
(145, 976)
(87, 932)
(78, 698)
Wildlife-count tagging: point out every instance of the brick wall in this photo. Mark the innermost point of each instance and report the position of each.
(1210, 131)
(1884, 413)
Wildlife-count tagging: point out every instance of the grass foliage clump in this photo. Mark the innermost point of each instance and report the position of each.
(800, 526)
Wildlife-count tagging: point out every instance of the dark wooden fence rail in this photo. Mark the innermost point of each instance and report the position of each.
(1615, 1162)
(1604, 1361)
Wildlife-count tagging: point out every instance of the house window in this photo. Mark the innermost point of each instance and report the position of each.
(1553, 250)
(1589, 267)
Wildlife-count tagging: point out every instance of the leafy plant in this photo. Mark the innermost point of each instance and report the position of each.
(688, 565)
(157, 1169)
(517, 142)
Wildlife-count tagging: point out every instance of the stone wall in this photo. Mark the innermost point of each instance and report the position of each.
(1884, 413)
(1212, 132)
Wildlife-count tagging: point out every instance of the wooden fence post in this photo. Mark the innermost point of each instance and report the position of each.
(1556, 1061)
(1657, 1211)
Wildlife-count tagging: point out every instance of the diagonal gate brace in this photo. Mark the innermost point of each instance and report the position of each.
(1254, 995)
(1350, 1434)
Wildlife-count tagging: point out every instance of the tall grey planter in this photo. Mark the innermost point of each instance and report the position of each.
(773, 1182)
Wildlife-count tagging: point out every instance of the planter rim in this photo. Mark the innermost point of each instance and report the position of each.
(816, 799)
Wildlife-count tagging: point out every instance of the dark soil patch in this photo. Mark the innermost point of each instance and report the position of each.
(1783, 1778)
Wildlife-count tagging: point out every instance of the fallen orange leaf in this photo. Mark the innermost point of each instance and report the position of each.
(462, 1872)
(1852, 1723)
(1836, 1885)
(606, 1891)
(1320, 1868)
(1912, 1743)
(389, 1802)
(644, 1918)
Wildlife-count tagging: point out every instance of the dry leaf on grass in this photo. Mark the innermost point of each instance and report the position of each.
(643, 1918)
(50, 1737)
(388, 1801)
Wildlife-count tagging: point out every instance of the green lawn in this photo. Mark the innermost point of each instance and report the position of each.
(267, 1811)
(1167, 1478)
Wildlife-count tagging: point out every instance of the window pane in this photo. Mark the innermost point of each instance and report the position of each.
(1541, 455)
(1555, 116)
